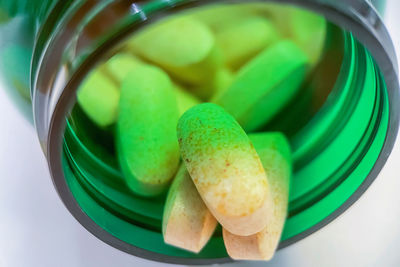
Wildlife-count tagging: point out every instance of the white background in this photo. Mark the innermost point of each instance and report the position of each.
(36, 230)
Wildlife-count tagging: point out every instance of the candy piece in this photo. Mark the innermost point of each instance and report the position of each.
(274, 152)
(187, 222)
(184, 99)
(180, 41)
(146, 130)
(199, 78)
(182, 46)
(98, 96)
(278, 14)
(120, 65)
(265, 85)
(225, 168)
(242, 40)
(223, 80)
(219, 17)
(201, 74)
(308, 31)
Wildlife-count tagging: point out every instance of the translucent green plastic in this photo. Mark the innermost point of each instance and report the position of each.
(333, 155)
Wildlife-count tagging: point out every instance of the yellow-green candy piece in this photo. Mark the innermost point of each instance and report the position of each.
(184, 99)
(225, 168)
(178, 41)
(201, 73)
(147, 147)
(278, 14)
(275, 155)
(222, 81)
(182, 46)
(120, 65)
(217, 17)
(98, 96)
(243, 39)
(306, 28)
(187, 222)
(265, 84)
(308, 31)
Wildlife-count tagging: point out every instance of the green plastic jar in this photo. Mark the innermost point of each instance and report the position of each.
(339, 145)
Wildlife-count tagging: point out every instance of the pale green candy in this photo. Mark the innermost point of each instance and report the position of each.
(225, 168)
(147, 147)
(98, 96)
(223, 79)
(200, 74)
(184, 99)
(306, 28)
(187, 222)
(217, 17)
(308, 31)
(120, 65)
(243, 39)
(276, 157)
(182, 46)
(274, 152)
(278, 14)
(265, 85)
(179, 41)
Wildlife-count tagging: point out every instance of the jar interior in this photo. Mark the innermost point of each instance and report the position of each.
(336, 122)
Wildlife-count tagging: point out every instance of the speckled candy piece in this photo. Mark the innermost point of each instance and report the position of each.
(187, 222)
(225, 168)
(148, 150)
(98, 96)
(265, 85)
(274, 152)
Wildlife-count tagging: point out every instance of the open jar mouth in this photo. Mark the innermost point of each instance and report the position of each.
(340, 141)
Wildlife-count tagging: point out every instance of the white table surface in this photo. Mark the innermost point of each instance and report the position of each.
(37, 231)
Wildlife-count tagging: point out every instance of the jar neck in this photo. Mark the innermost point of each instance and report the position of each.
(70, 43)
